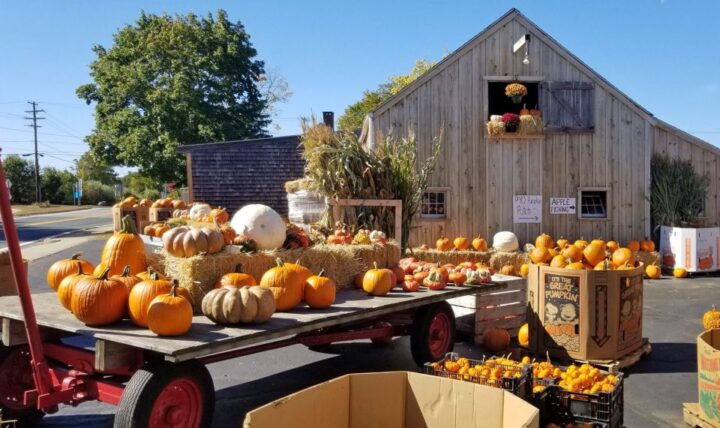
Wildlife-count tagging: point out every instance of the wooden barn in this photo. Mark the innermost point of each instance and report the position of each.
(591, 162)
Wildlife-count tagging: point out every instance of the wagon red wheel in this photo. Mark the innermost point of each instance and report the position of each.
(16, 378)
(433, 333)
(168, 395)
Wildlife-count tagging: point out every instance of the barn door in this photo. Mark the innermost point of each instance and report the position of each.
(568, 106)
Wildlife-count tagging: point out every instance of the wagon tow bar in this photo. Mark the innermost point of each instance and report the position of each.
(38, 364)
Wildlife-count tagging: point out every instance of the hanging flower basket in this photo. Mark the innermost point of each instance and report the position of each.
(516, 99)
(516, 91)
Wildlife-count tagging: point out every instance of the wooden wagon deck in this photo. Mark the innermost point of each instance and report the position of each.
(206, 338)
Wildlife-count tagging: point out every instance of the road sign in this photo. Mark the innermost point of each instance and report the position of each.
(527, 208)
(562, 206)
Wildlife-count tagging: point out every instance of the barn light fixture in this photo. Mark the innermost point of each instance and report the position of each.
(523, 41)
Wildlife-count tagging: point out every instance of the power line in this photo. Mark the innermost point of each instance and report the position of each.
(34, 125)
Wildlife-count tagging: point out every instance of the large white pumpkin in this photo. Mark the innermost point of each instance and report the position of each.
(260, 223)
(505, 241)
(199, 211)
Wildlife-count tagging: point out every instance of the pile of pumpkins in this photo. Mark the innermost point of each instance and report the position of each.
(133, 202)
(594, 255)
(342, 236)
(504, 241)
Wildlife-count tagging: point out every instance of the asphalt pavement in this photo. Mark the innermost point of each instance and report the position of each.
(37, 227)
(655, 388)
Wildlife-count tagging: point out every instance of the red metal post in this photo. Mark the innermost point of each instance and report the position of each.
(40, 369)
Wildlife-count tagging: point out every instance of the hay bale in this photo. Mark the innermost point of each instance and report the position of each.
(502, 258)
(648, 258)
(341, 263)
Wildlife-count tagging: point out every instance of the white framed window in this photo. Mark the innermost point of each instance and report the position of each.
(593, 203)
(435, 203)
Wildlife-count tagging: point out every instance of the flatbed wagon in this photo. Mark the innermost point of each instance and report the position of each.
(157, 381)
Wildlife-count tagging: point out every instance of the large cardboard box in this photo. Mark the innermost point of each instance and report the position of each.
(396, 400)
(585, 314)
(160, 214)
(696, 250)
(139, 214)
(7, 280)
(708, 363)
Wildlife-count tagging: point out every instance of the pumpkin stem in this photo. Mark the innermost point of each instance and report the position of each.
(375, 265)
(279, 262)
(173, 289)
(238, 268)
(76, 256)
(126, 271)
(322, 271)
(128, 225)
(80, 271)
(104, 274)
(155, 276)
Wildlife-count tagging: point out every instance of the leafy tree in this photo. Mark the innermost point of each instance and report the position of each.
(168, 81)
(90, 167)
(140, 185)
(352, 118)
(58, 185)
(21, 174)
(95, 192)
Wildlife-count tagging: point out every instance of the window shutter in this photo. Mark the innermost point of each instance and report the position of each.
(568, 106)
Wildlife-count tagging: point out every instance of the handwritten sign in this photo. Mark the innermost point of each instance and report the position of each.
(562, 206)
(527, 208)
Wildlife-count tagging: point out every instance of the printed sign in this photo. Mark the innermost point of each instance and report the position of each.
(527, 208)
(561, 319)
(708, 364)
(562, 206)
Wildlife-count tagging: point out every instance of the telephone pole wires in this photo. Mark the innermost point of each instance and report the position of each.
(34, 125)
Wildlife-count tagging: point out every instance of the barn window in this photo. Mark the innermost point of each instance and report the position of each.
(567, 106)
(434, 204)
(499, 103)
(593, 203)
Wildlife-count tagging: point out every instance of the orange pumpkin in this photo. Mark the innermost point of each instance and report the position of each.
(581, 243)
(124, 248)
(320, 291)
(378, 282)
(142, 294)
(62, 268)
(461, 243)
(562, 243)
(128, 280)
(623, 256)
(399, 274)
(148, 274)
(508, 270)
(524, 270)
(496, 339)
(65, 289)
(540, 255)
(457, 277)
(524, 335)
(612, 246)
(98, 300)
(594, 253)
(235, 279)
(544, 240)
(603, 265)
(633, 245)
(573, 252)
(679, 272)
(559, 261)
(170, 314)
(443, 244)
(219, 215)
(647, 245)
(228, 233)
(653, 271)
(286, 281)
(179, 204)
(576, 266)
(480, 244)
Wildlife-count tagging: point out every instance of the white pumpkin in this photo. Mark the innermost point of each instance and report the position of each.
(505, 241)
(260, 223)
(199, 211)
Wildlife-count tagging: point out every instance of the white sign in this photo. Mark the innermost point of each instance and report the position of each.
(520, 43)
(562, 206)
(527, 208)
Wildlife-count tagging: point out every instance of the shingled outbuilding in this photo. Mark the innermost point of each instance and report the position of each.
(236, 173)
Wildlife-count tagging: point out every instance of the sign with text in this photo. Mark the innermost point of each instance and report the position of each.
(562, 206)
(527, 208)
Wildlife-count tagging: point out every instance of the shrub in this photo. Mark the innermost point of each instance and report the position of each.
(95, 192)
(677, 192)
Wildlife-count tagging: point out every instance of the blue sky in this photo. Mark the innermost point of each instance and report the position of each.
(663, 53)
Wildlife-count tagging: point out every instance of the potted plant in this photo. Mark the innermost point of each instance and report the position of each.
(512, 121)
(516, 91)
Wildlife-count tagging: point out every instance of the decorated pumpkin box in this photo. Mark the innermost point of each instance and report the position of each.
(396, 400)
(585, 314)
(694, 249)
(160, 213)
(139, 214)
(708, 364)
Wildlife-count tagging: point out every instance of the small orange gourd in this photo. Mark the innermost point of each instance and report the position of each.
(235, 279)
(320, 291)
(377, 282)
(170, 314)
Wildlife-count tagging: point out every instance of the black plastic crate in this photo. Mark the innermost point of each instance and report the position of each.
(600, 410)
(519, 384)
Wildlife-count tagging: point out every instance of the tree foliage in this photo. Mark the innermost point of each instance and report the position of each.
(172, 80)
(21, 174)
(352, 118)
(58, 186)
(90, 167)
(677, 192)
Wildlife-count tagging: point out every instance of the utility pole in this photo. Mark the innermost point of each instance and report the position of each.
(35, 127)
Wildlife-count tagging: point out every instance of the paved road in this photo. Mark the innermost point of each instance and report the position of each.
(654, 390)
(32, 228)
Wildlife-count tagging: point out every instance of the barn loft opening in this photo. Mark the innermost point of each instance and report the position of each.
(499, 103)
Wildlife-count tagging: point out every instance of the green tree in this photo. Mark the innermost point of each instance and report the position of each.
(58, 185)
(352, 118)
(168, 81)
(141, 186)
(95, 192)
(21, 174)
(90, 167)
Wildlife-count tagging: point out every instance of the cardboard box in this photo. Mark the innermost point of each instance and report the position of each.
(504, 308)
(139, 214)
(696, 250)
(7, 280)
(585, 314)
(160, 214)
(708, 363)
(395, 400)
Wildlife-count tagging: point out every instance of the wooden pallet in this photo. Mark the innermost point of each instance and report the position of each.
(691, 416)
